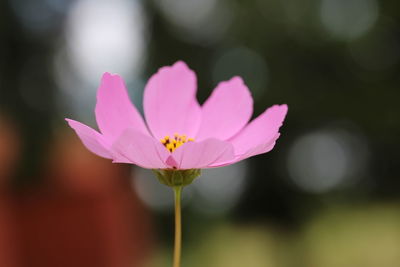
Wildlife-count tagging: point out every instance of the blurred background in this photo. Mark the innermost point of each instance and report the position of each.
(328, 195)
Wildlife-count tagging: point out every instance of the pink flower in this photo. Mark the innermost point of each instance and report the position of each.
(178, 132)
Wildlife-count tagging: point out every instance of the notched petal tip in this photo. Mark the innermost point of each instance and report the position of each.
(236, 79)
(282, 107)
(236, 83)
(70, 122)
(107, 76)
(73, 123)
(276, 113)
(178, 66)
(280, 111)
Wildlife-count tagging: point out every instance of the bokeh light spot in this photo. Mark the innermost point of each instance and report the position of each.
(348, 19)
(378, 50)
(202, 22)
(326, 159)
(154, 194)
(218, 190)
(106, 36)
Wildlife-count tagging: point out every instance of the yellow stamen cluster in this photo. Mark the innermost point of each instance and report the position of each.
(173, 143)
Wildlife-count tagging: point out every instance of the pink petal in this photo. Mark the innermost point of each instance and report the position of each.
(196, 155)
(226, 111)
(91, 139)
(260, 149)
(141, 149)
(170, 104)
(114, 110)
(259, 136)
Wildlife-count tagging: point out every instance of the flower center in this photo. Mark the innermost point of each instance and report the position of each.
(173, 143)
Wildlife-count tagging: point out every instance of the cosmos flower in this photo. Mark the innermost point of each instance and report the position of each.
(178, 133)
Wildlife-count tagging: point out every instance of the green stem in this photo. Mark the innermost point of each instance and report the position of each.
(178, 227)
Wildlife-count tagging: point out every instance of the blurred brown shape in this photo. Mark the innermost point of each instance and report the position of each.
(85, 214)
(9, 149)
(8, 248)
(9, 153)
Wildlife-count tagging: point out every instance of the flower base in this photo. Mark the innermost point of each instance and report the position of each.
(174, 178)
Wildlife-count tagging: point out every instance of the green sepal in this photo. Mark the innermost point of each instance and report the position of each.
(173, 178)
